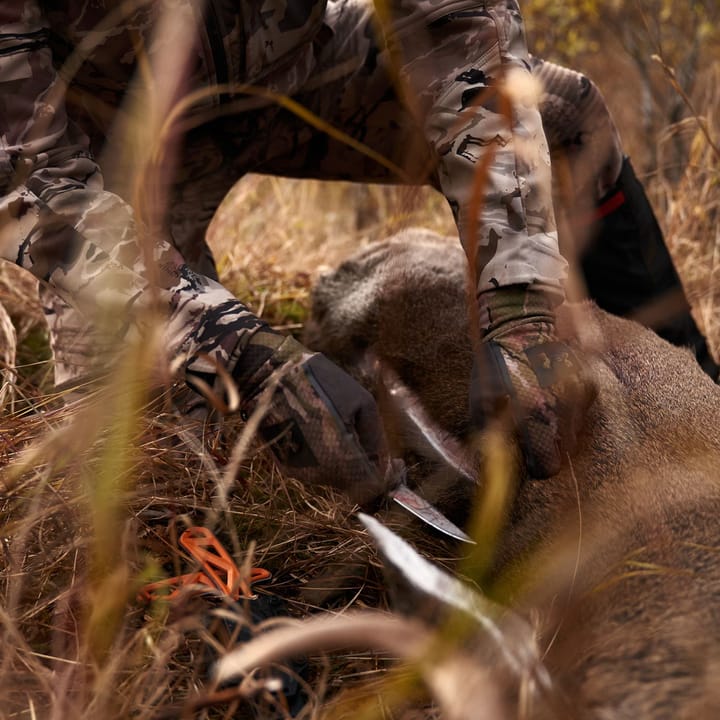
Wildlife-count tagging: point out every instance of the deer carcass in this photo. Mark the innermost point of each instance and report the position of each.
(608, 574)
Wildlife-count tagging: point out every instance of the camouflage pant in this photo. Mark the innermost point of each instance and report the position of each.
(428, 97)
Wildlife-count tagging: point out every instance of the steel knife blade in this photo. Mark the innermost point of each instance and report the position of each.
(427, 512)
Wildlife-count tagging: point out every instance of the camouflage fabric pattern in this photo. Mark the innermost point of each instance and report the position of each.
(580, 131)
(322, 426)
(57, 221)
(416, 109)
(462, 67)
(60, 223)
(582, 138)
(424, 97)
(581, 134)
(522, 368)
(73, 343)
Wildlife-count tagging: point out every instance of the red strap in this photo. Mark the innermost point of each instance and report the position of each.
(615, 201)
(610, 205)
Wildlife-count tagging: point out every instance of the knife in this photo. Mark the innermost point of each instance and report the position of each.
(398, 403)
(427, 512)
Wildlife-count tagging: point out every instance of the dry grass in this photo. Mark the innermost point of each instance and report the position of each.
(75, 640)
(693, 217)
(272, 236)
(95, 495)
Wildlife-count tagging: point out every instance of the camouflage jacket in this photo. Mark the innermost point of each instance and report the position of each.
(56, 218)
(236, 42)
(58, 221)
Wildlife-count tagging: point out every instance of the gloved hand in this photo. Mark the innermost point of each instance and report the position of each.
(322, 426)
(524, 368)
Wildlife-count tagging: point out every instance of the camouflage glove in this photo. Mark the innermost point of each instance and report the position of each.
(524, 368)
(322, 426)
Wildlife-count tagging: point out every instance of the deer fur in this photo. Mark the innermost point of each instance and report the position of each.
(619, 555)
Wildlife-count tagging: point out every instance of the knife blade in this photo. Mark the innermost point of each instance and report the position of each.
(427, 512)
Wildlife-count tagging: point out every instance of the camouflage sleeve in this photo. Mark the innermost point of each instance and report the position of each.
(465, 63)
(580, 131)
(58, 222)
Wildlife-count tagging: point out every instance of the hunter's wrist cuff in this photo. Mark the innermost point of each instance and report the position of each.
(515, 304)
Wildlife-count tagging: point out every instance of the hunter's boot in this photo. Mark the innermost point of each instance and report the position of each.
(628, 269)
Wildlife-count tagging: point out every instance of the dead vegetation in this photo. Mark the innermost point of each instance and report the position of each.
(92, 509)
(693, 217)
(76, 643)
(95, 495)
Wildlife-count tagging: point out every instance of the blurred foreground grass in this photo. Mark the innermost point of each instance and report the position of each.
(95, 495)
